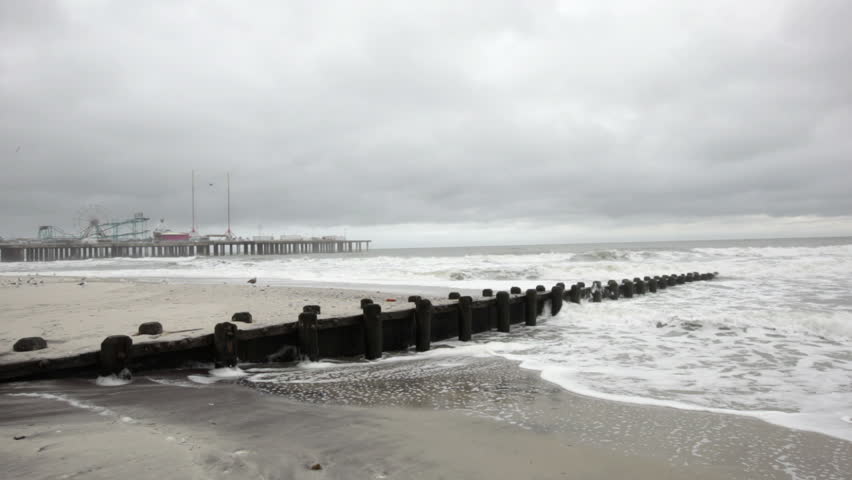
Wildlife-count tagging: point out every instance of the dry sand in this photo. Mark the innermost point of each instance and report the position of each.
(75, 319)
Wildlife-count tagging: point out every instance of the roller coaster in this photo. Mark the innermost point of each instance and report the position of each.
(92, 227)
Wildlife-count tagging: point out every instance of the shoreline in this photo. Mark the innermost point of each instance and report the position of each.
(484, 420)
(122, 304)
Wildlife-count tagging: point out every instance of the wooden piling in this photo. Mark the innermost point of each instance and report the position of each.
(465, 318)
(423, 327)
(627, 289)
(308, 336)
(503, 319)
(556, 299)
(225, 344)
(488, 292)
(372, 332)
(367, 301)
(454, 296)
(114, 354)
(311, 309)
(652, 285)
(150, 328)
(515, 290)
(540, 288)
(597, 292)
(574, 294)
(531, 307)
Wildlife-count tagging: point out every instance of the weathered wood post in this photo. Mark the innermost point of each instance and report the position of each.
(423, 333)
(531, 307)
(503, 319)
(372, 332)
(454, 296)
(612, 288)
(597, 292)
(627, 288)
(662, 282)
(225, 344)
(365, 302)
(114, 354)
(150, 328)
(308, 336)
(639, 285)
(574, 294)
(414, 298)
(487, 292)
(652, 285)
(515, 290)
(540, 288)
(311, 309)
(556, 299)
(465, 318)
(584, 292)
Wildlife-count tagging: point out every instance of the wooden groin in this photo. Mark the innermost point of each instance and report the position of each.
(367, 335)
(38, 251)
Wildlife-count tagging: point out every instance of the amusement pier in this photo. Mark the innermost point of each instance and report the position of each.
(39, 251)
(99, 238)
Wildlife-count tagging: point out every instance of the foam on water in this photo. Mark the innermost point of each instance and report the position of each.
(59, 397)
(774, 337)
(123, 378)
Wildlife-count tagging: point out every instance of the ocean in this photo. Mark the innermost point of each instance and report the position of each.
(770, 337)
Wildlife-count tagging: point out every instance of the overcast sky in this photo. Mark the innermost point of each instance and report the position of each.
(432, 123)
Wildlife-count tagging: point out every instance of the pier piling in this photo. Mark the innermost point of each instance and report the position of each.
(423, 327)
(372, 332)
(308, 336)
(530, 307)
(114, 354)
(465, 318)
(225, 344)
(503, 319)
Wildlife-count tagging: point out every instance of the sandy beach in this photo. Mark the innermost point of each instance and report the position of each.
(433, 415)
(74, 319)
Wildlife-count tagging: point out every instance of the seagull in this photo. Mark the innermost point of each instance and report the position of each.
(82, 282)
(252, 280)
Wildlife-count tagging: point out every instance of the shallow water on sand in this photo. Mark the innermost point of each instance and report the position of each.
(487, 386)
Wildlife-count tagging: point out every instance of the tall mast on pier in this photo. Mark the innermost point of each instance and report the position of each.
(193, 201)
(229, 233)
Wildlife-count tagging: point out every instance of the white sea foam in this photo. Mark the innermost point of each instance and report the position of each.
(122, 378)
(68, 400)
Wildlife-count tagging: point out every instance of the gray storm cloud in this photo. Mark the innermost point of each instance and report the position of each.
(363, 113)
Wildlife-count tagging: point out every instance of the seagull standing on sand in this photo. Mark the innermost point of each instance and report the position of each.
(82, 282)
(252, 280)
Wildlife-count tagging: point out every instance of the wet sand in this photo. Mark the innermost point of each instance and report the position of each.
(222, 431)
(436, 417)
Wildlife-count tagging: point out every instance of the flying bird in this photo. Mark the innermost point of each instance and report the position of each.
(18, 149)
